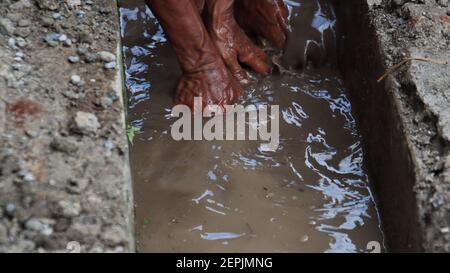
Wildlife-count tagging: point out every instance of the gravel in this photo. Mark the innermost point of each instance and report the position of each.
(55, 169)
(85, 123)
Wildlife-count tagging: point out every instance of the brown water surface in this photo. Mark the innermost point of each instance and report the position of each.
(311, 195)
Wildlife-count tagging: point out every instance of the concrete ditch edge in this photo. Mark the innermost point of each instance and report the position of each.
(404, 118)
(65, 184)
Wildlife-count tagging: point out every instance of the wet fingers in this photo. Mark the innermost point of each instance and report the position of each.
(256, 63)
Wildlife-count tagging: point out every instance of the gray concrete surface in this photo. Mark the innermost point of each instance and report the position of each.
(64, 175)
(421, 95)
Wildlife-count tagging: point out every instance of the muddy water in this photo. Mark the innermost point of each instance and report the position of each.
(311, 195)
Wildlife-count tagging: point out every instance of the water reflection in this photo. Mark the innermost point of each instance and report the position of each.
(312, 194)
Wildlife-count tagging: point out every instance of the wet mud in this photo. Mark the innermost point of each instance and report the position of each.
(311, 195)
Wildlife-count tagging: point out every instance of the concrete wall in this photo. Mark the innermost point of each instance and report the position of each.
(65, 183)
(404, 129)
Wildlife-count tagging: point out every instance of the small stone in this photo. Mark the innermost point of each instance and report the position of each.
(43, 225)
(21, 42)
(105, 10)
(52, 39)
(71, 94)
(7, 26)
(106, 56)
(22, 32)
(31, 129)
(48, 4)
(62, 224)
(304, 239)
(14, 16)
(10, 209)
(20, 55)
(20, 5)
(67, 42)
(24, 23)
(64, 145)
(74, 59)
(443, 3)
(29, 177)
(56, 15)
(81, 14)
(374, 2)
(62, 38)
(82, 229)
(106, 102)
(90, 57)
(398, 3)
(74, 3)
(445, 230)
(12, 42)
(10, 165)
(113, 236)
(22, 67)
(76, 80)
(109, 144)
(85, 123)
(85, 37)
(270, 195)
(68, 209)
(47, 21)
(110, 65)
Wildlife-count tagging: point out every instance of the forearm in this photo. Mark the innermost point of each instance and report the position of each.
(221, 16)
(185, 29)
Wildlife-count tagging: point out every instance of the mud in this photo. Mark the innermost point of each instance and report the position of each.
(311, 195)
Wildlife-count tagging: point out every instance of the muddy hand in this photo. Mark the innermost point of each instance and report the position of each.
(268, 18)
(200, 4)
(204, 72)
(213, 84)
(231, 41)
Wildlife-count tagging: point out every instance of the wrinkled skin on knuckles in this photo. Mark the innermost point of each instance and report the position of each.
(213, 85)
(234, 46)
(204, 72)
(267, 18)
(210, 53)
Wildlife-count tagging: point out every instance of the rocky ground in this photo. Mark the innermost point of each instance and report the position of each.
(421, 29)
(63, 153)
(63, 149)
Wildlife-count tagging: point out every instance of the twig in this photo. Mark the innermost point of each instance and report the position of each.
(5, 101)
(400, 64)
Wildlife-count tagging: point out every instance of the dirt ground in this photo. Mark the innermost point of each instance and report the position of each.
(63, 151)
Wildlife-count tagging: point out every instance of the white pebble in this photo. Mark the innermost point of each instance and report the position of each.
(62, 38)
(75, 79)
(110, 65)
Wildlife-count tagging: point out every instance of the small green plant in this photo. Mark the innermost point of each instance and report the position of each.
(131, 132)
(146, 222)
